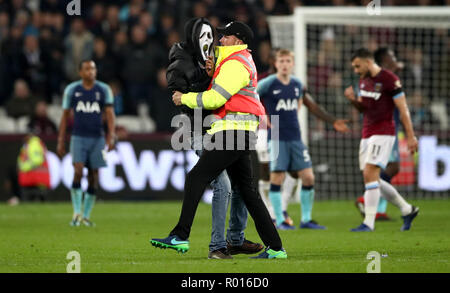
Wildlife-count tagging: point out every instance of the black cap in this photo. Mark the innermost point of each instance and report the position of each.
(238, 29)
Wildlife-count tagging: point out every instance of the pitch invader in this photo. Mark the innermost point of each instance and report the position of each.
(88, 99)
(283, 94)
(380, 91)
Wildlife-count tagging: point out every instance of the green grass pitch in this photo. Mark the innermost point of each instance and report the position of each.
(37, 238)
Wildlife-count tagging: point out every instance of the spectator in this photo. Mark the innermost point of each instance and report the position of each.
(111, 25)
(13, 43)
(118, 96)
(51, 5)
(52, 45)
(119, 43)
(141, 59)
(273, 7)
(129, 13)
(146, 21)
(162, 108)
(172, 38)
(79, 45)
(166, 25)
(263, 59)
(35, 25)
(4, 26)
(261, 28)
(21, 19)
(200, 9)
(40, 124)
(292, 4)
(34, 175)
(106, 63)
(94, 22)
(22, 103)
(33, 63)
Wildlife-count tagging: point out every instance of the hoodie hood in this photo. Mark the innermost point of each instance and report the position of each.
(199, 36)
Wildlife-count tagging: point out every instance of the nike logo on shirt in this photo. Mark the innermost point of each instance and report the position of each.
(276, 92)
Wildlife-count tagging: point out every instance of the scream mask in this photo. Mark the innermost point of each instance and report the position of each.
(199, 35)
(205, 41)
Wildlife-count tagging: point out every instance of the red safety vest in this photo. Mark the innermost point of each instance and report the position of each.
(36, 177)
(247, 99)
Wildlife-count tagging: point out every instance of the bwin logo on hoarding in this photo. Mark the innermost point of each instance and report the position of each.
(74, 7)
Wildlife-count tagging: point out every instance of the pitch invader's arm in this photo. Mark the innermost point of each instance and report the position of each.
(338, 124)
(405, 118)
(60, 148)
(110, 121)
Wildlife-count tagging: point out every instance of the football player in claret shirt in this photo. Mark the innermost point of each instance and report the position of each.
(88, 99)
(380, 91)
(386, 58)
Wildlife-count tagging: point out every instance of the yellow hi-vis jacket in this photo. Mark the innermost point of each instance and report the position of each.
(233, 77)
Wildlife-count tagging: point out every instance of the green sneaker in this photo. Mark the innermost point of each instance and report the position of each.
(173, 242)
(270, 253)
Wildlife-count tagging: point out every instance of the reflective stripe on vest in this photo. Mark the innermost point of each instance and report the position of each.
(250, 89)
(247, 95)
(249, 123)
(253, 69)
(221, 91)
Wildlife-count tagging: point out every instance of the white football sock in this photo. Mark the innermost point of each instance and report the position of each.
(371, 198)
(286, 190)
(264, 187)
(392, 195)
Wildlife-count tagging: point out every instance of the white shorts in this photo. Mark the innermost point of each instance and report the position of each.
(375, 150)
(262, 146)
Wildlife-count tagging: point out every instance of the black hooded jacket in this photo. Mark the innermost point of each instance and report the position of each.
(186, 72)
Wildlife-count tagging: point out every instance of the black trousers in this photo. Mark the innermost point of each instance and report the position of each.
(239, 168)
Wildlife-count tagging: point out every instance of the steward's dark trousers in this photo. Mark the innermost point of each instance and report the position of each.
(239, 168)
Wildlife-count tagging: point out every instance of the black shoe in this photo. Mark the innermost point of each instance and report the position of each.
(221, 253)
(247, 247)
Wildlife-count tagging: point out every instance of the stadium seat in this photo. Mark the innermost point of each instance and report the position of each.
(8, 125)
(439, 110)
(54, 112)
(22, 124)
(3, 112)
(148, 124)
(131, 123)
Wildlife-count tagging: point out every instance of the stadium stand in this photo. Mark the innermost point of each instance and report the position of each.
(40, 44)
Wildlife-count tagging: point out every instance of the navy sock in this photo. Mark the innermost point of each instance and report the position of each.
(385, 177)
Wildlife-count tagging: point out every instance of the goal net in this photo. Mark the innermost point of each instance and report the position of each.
(323, 40)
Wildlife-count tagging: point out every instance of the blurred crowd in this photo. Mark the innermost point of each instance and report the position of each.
(41, 46)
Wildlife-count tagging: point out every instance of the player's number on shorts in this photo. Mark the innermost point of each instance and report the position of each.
(306, 156)
(376, 149)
